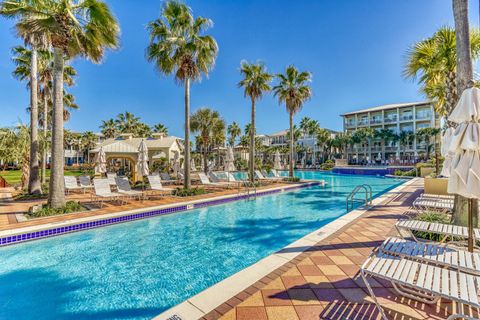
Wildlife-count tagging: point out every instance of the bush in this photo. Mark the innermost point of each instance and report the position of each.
(70, 207)
(291, 179)
(241, 164)
(182, 192)
(409, 173)
(432, 216)
(328, 165)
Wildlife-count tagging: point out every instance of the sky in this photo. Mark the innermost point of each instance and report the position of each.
(354, 49)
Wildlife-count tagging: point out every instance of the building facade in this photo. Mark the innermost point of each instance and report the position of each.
(405, 117)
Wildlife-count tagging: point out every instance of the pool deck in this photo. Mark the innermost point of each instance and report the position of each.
(318, 279)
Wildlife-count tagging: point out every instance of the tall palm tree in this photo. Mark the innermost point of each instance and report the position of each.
(89, 141)
(209, 125)
(322, 137)
(384, 135)
(255, 83)
(73, 28)
(293, 90)
(234, 132)
(433, 62)
(109, 128)
(178, 45)
(405, 137)
(160, 128)
(127, 122)
(364, 135)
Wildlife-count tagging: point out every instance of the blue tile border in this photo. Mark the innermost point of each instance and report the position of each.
(34, 235)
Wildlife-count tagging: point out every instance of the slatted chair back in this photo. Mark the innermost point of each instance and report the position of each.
(102, 187)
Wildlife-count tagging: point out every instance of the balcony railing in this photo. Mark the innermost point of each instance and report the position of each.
(375, 121)
(424, 116)
(363, 122)
(406, 118)
(391, 119)
(350, 124)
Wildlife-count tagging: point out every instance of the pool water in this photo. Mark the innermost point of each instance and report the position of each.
(138, 269)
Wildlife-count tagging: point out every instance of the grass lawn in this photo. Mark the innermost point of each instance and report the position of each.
(15, 176)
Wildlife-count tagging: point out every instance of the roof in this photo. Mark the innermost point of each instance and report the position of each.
(387, 106)
(119, 145)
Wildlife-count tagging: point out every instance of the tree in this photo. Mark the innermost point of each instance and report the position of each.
(89, 141)
(405, 137)
(160, 128)
(293, 90)
(208, 124)
(426, 134)
(384, 135)
(178, 45)
(255, 83)
(234, 131)
(127, 122)
(433, 62)
(81, 28)
(323, 136)
(365, 136)
(109, 128)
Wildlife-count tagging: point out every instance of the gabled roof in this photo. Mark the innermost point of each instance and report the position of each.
(119, 145)
(388, 106)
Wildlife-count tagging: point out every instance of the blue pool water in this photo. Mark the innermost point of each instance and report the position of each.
(138, 269)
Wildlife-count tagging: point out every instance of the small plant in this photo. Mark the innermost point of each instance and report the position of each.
(432, 216)
(409, 173)
(182, 192)
(70, 207)
(291, 179)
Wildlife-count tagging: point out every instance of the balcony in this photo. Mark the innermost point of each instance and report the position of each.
(424, 116)
(376, 121)
(350, 124)
(363, 123)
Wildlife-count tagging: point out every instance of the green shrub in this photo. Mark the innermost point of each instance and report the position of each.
(409, 173)
(182, 192)
(241, 164)
(70, 207)
(291, 179)
(328, 165)
(432, 216)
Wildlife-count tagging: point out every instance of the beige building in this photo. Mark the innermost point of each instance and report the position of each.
(122, 152)
(408, 117)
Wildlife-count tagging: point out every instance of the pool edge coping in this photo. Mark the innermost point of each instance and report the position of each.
(52, 229)
(210, 298)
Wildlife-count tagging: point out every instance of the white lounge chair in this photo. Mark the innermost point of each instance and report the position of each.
(85, 183)
(123, 186)
(423, 282)
(166, 178)
(156, 185)
(447, 230)
(206, 181)
(103, 192)
(215, 179)
(261, 177)
(433, 253)
(71, 184)
(438, 204)
(111, 178)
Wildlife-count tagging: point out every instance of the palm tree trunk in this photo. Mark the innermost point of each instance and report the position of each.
(205, 159)
(464, 80)
(45, 133)
(34, 185)
(290, 168)
(56, 196)
(251, 158)
(187, 181)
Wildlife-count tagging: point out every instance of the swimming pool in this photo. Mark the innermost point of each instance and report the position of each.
(139, 269)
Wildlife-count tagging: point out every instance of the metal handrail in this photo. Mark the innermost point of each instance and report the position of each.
(368, 195)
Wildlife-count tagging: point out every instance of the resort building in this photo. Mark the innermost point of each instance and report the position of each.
(403, 117)
(122, 152)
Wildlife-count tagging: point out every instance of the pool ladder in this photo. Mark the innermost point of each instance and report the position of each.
(253, 188)
(351, 197)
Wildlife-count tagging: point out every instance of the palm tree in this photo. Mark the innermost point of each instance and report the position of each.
(405, 137)
(294, 91)
(109, 128)
(89, 141)
(255, 83)
(234, 131)
(160, 128)
(323, 136)
(364, 135)
(208, 124)
(384, 135)
(127, 122)
(81, 28)
(433, 62)
(178, 45)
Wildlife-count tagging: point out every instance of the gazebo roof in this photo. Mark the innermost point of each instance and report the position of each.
(131, 145)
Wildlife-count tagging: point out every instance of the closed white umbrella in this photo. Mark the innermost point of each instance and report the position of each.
(229, 160)
(192, 165)
(176, 163)
(464, 145)
(276, 161)
(101, 161)
(142, 164)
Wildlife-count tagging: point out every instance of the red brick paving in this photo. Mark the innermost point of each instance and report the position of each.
(324, 282)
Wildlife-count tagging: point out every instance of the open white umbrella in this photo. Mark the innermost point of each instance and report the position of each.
(463, 145)
(101, 161)
(142, 164)
(276, 161)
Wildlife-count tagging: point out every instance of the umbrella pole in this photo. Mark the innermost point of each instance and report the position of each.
(470, 225)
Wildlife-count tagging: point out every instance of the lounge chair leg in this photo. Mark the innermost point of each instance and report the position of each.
(414, 294)
(370, 291)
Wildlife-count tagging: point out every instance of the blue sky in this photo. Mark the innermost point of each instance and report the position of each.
(355, 50)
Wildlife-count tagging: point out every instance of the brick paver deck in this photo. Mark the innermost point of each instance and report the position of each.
(324, 282)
